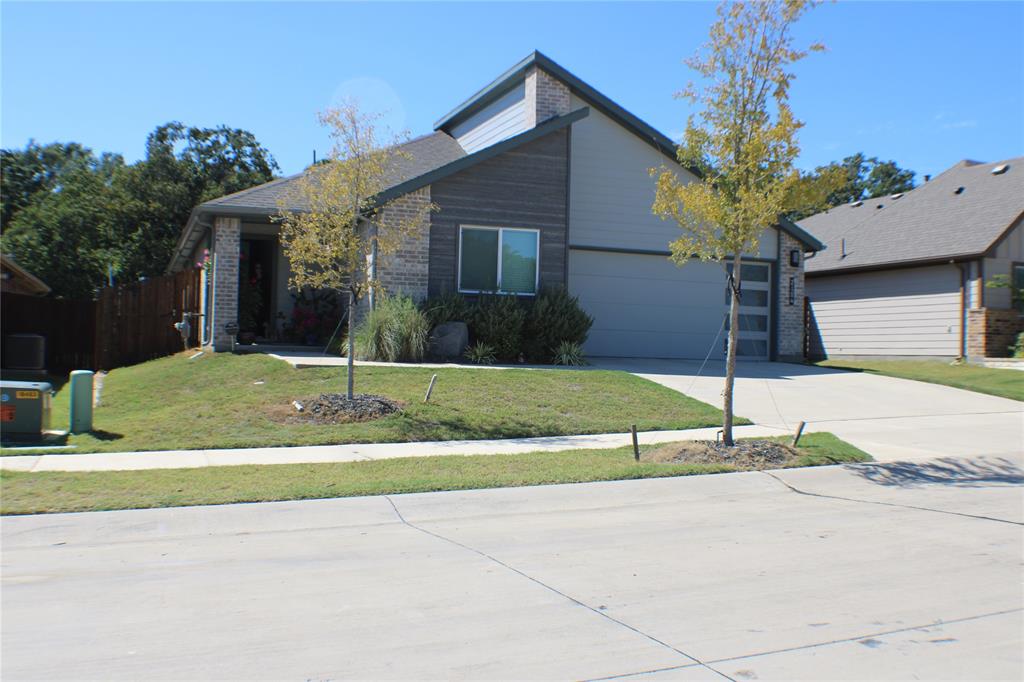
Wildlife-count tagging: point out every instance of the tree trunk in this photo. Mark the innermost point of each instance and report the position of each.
(730, 355)
(351, 342)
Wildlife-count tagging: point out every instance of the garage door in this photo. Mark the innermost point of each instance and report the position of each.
(646, 306)
(896, 312)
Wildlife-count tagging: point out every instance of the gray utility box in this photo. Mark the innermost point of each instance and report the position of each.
(24, 409)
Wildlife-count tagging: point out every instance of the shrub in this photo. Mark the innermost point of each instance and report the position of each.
(570, 354)
(556, 317)
(448, 307)
(395, 331)
(1017, 349)
(480, 353)
(497, 321)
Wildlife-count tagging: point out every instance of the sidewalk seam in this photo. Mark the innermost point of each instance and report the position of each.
(695, 661)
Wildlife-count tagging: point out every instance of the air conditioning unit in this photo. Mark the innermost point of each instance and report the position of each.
(24, 351)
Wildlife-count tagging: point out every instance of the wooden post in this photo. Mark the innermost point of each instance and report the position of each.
(636, 446)
(430, 388)
(799, 432)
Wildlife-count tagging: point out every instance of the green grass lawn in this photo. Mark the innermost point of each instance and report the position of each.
(29, 493)
(1006, 383)
(229, 401)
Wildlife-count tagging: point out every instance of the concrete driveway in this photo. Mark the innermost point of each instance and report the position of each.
(889, 418)
(868, 572)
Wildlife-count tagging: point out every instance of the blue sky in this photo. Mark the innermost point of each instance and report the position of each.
(923, 83)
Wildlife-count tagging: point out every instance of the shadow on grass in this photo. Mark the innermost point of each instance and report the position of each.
(961, 473)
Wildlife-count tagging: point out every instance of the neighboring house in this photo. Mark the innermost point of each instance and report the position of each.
(905, 275)
(15, 279)
(540, 180)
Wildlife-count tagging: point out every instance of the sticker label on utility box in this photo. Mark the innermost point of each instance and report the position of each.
(26, 395)
(7, 413)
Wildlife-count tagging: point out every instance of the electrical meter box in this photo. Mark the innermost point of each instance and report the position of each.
(24, 409)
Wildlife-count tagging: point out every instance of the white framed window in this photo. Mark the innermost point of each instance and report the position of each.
(503, 260)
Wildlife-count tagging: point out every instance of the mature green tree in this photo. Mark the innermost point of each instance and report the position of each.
(65, 236)
(862, 178)
(743, 140)
(69, 215)
(27, 173)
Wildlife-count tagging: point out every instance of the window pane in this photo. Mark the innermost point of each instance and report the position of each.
(518, 262)
(750, 298)
(750, 323)
(479, 260)
(751, 348)
(754, 273)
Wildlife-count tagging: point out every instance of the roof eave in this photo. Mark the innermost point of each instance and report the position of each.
(503, 83)
(800, 234)
(547, 127)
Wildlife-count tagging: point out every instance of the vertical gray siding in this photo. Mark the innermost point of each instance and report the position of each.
(498, 121)
(915, 311)
(525, 187)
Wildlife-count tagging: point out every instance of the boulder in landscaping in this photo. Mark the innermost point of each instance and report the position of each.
(448, 341)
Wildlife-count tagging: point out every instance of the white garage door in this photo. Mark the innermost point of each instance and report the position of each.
(896, 312)
(648, 307)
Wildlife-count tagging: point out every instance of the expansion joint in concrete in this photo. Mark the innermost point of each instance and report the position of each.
(694, 661)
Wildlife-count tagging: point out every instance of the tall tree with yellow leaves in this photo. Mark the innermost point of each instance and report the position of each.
(343, 225)
(743, 144)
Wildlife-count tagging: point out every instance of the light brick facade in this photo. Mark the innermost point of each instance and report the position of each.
(224, 311)
(990, 332)
(406, 270)
(791, 300)
(546, 96)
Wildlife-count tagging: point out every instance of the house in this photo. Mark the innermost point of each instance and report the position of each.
(15, 279)
(541, 168)
(905, 275)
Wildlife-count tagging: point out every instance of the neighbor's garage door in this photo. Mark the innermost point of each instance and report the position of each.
(895, 312)
(646, 306)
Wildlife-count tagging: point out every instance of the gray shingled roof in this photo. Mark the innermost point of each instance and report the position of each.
(929, 223)
(420, 155)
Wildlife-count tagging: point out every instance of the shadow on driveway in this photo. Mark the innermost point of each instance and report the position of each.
(960, 473)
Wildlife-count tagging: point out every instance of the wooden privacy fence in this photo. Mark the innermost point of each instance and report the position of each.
(135, 322)
(69, 327)
(127, 324)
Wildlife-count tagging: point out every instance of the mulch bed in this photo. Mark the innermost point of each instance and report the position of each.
(336, 408)
(746, 454)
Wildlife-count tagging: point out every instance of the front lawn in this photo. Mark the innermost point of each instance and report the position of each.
(30, 493)
(232, 401)
(1005, 383)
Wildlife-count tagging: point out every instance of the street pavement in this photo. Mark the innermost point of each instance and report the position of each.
(881, 571)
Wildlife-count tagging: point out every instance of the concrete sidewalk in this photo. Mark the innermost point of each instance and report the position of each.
(318, 454)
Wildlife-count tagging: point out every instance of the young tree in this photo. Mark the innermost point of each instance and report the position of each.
(343, 223)
(743, 142)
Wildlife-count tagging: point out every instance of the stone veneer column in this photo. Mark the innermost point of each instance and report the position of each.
(546, 96)
(790, 315)
(224, 311)
(406, 270)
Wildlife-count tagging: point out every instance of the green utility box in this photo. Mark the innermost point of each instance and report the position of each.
(24, 409)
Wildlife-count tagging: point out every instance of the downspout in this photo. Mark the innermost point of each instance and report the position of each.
(963, 309)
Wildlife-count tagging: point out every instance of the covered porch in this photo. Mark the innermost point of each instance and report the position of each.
(246, 297)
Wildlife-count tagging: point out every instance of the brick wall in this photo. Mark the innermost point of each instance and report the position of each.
(406, 270)
(546, 96)
(990, 332)
(226, 239)
(791, 314)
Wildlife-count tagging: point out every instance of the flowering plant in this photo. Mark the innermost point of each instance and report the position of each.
(204, 263)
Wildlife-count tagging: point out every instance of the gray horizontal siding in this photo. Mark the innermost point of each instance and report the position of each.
(525, 187)
(894, 312)
(498, 121)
